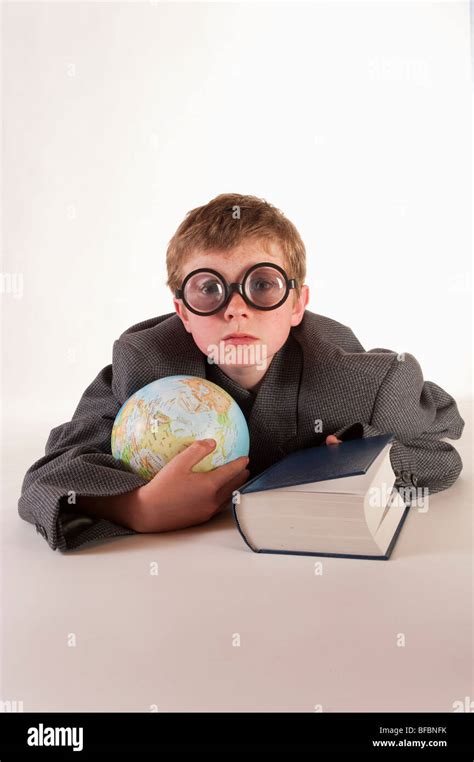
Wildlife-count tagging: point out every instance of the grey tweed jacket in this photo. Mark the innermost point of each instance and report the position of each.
(322, 373)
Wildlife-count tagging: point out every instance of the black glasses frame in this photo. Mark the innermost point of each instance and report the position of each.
(229, 288)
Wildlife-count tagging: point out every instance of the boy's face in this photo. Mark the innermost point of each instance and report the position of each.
(270, 328)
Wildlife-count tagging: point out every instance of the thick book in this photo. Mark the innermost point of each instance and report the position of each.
(330, 500)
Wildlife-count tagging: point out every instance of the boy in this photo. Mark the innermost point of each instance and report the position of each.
(236, 268)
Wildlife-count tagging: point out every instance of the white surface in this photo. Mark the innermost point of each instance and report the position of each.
(305, 639)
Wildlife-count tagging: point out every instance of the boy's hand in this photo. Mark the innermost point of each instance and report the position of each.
(177, 497)
(332, 439)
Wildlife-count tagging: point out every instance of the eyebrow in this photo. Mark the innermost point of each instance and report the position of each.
(242, 271)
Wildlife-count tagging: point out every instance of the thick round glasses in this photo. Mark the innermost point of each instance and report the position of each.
(265, 286)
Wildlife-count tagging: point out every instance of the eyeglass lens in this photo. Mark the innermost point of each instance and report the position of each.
(264, 287)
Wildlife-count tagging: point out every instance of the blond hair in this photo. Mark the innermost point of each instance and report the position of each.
(225, 222)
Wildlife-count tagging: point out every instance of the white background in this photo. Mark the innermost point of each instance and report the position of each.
(118, 118)
(354, 119)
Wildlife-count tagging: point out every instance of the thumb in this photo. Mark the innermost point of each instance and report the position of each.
(194, 453)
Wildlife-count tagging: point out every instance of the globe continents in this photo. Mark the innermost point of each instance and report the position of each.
(164, 417)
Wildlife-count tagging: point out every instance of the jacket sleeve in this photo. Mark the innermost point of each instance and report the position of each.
(78, 461)
(420, 414)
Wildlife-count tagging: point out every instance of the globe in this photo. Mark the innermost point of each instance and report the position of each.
(164, 417)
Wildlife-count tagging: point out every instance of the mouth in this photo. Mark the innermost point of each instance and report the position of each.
(239, 338)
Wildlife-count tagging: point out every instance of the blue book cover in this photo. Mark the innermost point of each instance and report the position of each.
(316, 464)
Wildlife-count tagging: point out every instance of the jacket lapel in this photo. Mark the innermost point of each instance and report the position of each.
(273, 420)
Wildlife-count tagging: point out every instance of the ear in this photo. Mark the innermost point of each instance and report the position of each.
(299, 306)
(182, 312)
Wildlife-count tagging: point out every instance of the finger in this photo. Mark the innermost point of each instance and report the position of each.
(223, 474)
(194, 453)
(332, 439)
(225, 504)
(226, 492)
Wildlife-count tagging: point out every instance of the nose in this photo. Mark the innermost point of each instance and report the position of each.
(236, 306)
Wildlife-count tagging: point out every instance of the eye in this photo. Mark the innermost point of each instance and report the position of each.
(262, 285)
(210, 287)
